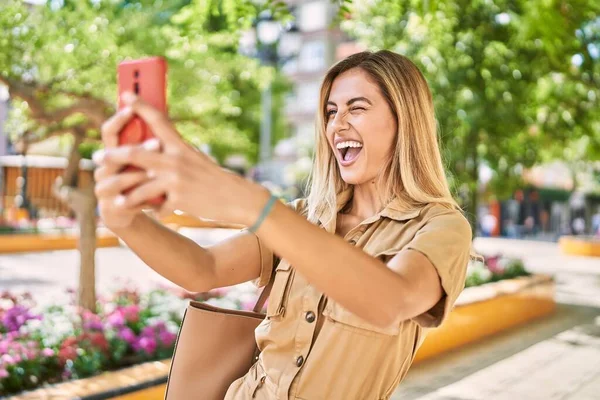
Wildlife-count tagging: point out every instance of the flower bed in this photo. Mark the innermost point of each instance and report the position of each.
(495, 268)
(45, 346)
(58, 343)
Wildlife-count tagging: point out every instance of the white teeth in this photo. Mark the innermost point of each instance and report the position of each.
(343, 145)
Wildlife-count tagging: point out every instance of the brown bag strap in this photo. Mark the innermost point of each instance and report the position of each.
(264, 295)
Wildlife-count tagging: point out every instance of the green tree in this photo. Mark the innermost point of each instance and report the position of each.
(509, 78)
(59, 63)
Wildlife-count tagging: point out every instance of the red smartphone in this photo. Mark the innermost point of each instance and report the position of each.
(147, 78)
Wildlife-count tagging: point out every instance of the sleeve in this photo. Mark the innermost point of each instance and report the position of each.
(446, 241)
(268, 259)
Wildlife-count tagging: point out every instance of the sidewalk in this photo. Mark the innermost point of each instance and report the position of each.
(565, 366)
(48, 275)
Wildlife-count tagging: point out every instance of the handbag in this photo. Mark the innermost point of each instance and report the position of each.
(214, 347)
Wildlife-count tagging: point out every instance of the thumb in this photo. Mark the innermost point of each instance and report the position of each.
(158, 121)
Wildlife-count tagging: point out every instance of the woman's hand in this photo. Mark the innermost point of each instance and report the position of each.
(191, 181)
(110, 182)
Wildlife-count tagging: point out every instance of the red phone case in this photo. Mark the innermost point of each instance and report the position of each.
(147, 78)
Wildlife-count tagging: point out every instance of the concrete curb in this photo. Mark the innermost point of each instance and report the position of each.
(21, 243)
(580, 246)
(489, 309)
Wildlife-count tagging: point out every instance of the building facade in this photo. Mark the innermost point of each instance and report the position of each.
(322, 44)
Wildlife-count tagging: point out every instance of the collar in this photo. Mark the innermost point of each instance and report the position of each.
(395, 210)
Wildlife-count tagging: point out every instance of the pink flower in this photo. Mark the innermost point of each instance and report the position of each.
(116, 319)
(47, 352)
(167, 338)
(7, 359)
(494, 266)
(67, 373)
(123, 315)
(131, 313)
(15, 317)
(147, 344)
(12, 335)
(91, 321)
(127, 335)
(3, 373)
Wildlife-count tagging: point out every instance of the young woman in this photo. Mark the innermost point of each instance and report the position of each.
(372, 258)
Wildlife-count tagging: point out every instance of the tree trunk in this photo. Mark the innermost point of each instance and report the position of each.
(86, 217)
(71, 174)
(83, 203)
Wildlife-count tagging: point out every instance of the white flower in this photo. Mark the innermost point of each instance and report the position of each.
(504, 262)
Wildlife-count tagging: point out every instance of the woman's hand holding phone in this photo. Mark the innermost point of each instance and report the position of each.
(191, 181)
(111, 181)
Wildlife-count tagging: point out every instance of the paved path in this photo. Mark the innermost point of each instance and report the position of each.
(48, 275)
(556, 357)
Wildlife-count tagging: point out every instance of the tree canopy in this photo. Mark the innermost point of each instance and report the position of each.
(511, 80)
(59, 61)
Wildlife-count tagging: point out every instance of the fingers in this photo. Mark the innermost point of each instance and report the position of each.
(106, 170)
(144, 156)
(141, 194)
(129, 211)
(111, 128)
(157, 120)
(113, 186)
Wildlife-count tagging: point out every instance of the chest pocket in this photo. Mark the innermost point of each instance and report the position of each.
(280, 292)
(348, 321)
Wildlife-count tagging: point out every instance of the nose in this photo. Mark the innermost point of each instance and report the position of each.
(339, 122)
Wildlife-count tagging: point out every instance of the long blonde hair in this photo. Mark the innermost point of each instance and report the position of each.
(414, 173)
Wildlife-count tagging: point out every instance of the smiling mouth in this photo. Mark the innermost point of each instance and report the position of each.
(349, 154)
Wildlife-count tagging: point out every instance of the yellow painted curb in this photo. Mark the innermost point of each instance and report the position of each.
(96, 385)
(467, 323)
(187, 221)
(579, 246)
(20, 243)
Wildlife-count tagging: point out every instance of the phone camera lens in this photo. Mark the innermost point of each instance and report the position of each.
(136, 73)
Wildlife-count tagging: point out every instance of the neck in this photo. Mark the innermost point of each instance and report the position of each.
(365, 201)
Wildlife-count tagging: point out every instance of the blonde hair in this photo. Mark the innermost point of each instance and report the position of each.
(414, 173)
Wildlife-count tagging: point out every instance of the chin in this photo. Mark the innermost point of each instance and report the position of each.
(353, 177)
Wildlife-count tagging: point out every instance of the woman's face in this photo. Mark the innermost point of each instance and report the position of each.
(360, 126)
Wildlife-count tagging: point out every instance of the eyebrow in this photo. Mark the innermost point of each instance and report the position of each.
(352, 100)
